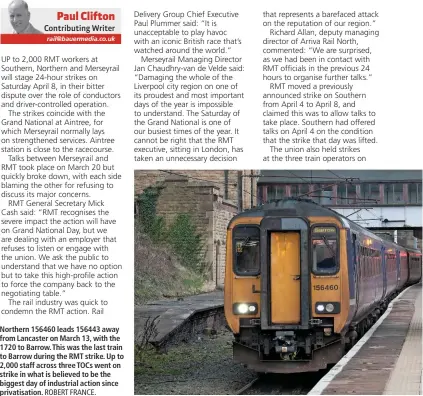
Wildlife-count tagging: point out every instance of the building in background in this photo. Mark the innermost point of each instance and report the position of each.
(386, 201)
(239, 187)
(210, 197)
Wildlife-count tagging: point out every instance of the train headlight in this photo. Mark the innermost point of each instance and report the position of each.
(242, 308)
(245, 308)
(327, 308)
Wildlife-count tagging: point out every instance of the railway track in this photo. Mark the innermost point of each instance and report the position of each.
(282, 384)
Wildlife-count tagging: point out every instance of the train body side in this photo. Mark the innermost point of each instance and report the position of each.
(380, 269)
(369, 276)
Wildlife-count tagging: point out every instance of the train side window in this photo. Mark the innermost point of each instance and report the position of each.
(366, 258)
(390, 262)
(374, 259)
(325, 250)
(363, 267)
(364, 263)
(369, 264)
(376, 265)
(247, 250)
(374, 262)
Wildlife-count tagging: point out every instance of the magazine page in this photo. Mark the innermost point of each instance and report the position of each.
(135, 136)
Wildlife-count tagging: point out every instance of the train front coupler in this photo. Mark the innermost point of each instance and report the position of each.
(285, 344)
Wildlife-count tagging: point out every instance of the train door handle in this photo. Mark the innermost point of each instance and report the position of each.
(296, 277)
(254, 290)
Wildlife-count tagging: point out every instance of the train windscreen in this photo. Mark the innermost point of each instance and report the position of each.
(247, 250)
(325, 250)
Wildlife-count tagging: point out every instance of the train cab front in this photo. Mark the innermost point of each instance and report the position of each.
(283, 292)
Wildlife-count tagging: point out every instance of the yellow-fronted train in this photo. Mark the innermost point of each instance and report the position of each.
(303, 283)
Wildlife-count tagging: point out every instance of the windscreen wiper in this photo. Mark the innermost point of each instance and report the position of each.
(328, 246)
(243, 243)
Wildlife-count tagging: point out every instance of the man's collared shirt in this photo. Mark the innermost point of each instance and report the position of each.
(30, 30)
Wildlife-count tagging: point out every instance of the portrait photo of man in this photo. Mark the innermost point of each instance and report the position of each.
(19, 17)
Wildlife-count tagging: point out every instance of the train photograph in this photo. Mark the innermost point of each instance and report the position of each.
(310, 269)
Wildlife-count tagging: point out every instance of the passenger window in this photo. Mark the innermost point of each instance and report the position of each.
(369, 272)
(247, 250)
(325, 250)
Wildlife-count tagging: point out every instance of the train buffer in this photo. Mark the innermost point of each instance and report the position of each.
(388, 359)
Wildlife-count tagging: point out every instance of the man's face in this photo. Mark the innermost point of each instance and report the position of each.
(19, 17)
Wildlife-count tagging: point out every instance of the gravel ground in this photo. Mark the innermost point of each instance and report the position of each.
(204, 366)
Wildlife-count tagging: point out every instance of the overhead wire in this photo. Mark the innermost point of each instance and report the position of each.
(311, 183)
(345, 180)
(357, 197)
(337, 177)
(292, 173)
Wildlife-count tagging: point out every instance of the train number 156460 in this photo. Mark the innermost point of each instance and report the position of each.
(325, 287)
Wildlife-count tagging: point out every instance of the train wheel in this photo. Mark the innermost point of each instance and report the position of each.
(352, 336)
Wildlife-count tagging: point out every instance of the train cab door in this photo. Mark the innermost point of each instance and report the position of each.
(285, 273)
(285, 277)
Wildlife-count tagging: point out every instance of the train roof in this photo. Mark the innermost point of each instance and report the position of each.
(302, 207)
(292, 204)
